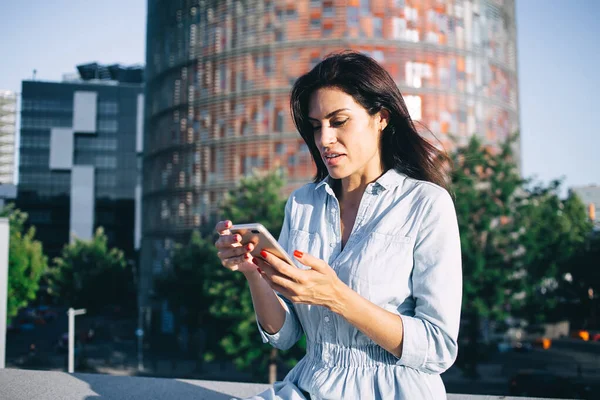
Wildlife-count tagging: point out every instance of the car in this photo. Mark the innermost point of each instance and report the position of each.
(581, 334)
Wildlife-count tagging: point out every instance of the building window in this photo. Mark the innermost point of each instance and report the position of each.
(108, 125)
(315, 22)
(293, 160)
(291, 14)
(269, 65)
(303, 148)
(327, 28)
(365, 7)
(279, 35)
(352, 17)
(108, 108)
(328, 10)
(377, 27)
(413, 104)
(279, 124)
(280, 148)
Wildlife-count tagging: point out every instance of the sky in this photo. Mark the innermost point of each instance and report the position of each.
(558, 64)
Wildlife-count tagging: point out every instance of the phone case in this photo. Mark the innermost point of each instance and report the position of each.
(263, 240)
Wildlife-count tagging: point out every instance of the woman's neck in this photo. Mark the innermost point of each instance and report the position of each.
(350, 189)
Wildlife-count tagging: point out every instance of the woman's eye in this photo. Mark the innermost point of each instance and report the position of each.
(339, 123)
(316, 128)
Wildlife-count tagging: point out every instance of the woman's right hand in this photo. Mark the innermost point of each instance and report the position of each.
(233, 254)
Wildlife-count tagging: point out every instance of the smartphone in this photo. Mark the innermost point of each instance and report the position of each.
(259, 235)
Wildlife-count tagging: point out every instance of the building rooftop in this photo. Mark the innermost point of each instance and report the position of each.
(103, 72)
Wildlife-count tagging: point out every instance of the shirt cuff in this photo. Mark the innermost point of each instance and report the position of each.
(414, 343)
(284, 334)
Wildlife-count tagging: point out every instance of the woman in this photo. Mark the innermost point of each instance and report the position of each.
(380, 303)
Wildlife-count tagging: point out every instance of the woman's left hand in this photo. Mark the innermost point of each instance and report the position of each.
(316, 286)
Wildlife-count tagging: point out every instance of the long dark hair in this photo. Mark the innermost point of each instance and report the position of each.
(373, 88)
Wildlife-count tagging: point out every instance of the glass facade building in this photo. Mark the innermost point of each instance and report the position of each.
(219, 75)
(80, 156)
(8, 118)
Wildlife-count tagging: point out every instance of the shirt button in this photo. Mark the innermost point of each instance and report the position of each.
(326, 319)
(332, 245)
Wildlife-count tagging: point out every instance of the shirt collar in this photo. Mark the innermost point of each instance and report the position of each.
(389, 180)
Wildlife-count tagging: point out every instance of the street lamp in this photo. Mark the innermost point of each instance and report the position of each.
(4, 237)
(72, 313)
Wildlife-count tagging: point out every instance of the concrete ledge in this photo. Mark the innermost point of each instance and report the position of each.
(49, 385)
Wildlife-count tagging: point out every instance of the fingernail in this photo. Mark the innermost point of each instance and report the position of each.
(249, 247)
(238, 238)
(260, 271)
(228, 224)
(254, 261)
(247, 256)
(263, 254)
(298, 254)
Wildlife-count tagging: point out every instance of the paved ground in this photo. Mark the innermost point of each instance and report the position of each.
(44, 385)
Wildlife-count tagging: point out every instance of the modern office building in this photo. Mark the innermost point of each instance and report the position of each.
(219, 75)
(8, 119)
(80, 156)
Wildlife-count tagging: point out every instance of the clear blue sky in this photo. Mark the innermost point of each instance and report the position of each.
(558, 47)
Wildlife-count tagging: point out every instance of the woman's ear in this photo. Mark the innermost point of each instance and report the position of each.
(384, 119)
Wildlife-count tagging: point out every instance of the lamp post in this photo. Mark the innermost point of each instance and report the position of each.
(72, 313)
(4, 237)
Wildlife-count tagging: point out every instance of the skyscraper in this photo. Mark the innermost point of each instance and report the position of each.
(8, 115)
(219, 75)
(80, 147)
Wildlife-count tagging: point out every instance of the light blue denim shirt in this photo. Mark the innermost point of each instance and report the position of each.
(404, 255)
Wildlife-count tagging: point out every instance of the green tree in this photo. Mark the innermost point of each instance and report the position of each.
(487, 189)
(185, 287)
(216, 302)
(517, 240)
(256, 199)
(581, 286)
(27, 263)
(554, 236)
(89, 274)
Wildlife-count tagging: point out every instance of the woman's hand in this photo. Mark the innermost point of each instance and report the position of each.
(317, 286)
(233, 254)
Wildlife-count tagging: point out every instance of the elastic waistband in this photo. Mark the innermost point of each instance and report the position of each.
(345, 356)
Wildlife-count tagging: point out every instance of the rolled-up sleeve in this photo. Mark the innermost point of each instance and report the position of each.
(430, 336)
(289, 333)
(291, 330)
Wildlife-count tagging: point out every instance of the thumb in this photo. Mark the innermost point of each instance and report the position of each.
(313, 262)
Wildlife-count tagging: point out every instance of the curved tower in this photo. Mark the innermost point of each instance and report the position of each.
(219, 74)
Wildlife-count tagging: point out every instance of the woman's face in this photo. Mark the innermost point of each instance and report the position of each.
(346, 135)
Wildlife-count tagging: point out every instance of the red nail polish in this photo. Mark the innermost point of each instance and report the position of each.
(260, 271)
(247, 256)
(263, 254)
(298, 254)
(254, 261)
(248, 247)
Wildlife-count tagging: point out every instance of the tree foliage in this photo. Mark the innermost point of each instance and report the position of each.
(27, 263)
(88, 274)
(487, 189)
(217, 300)
(518, 239)
(555, 233)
